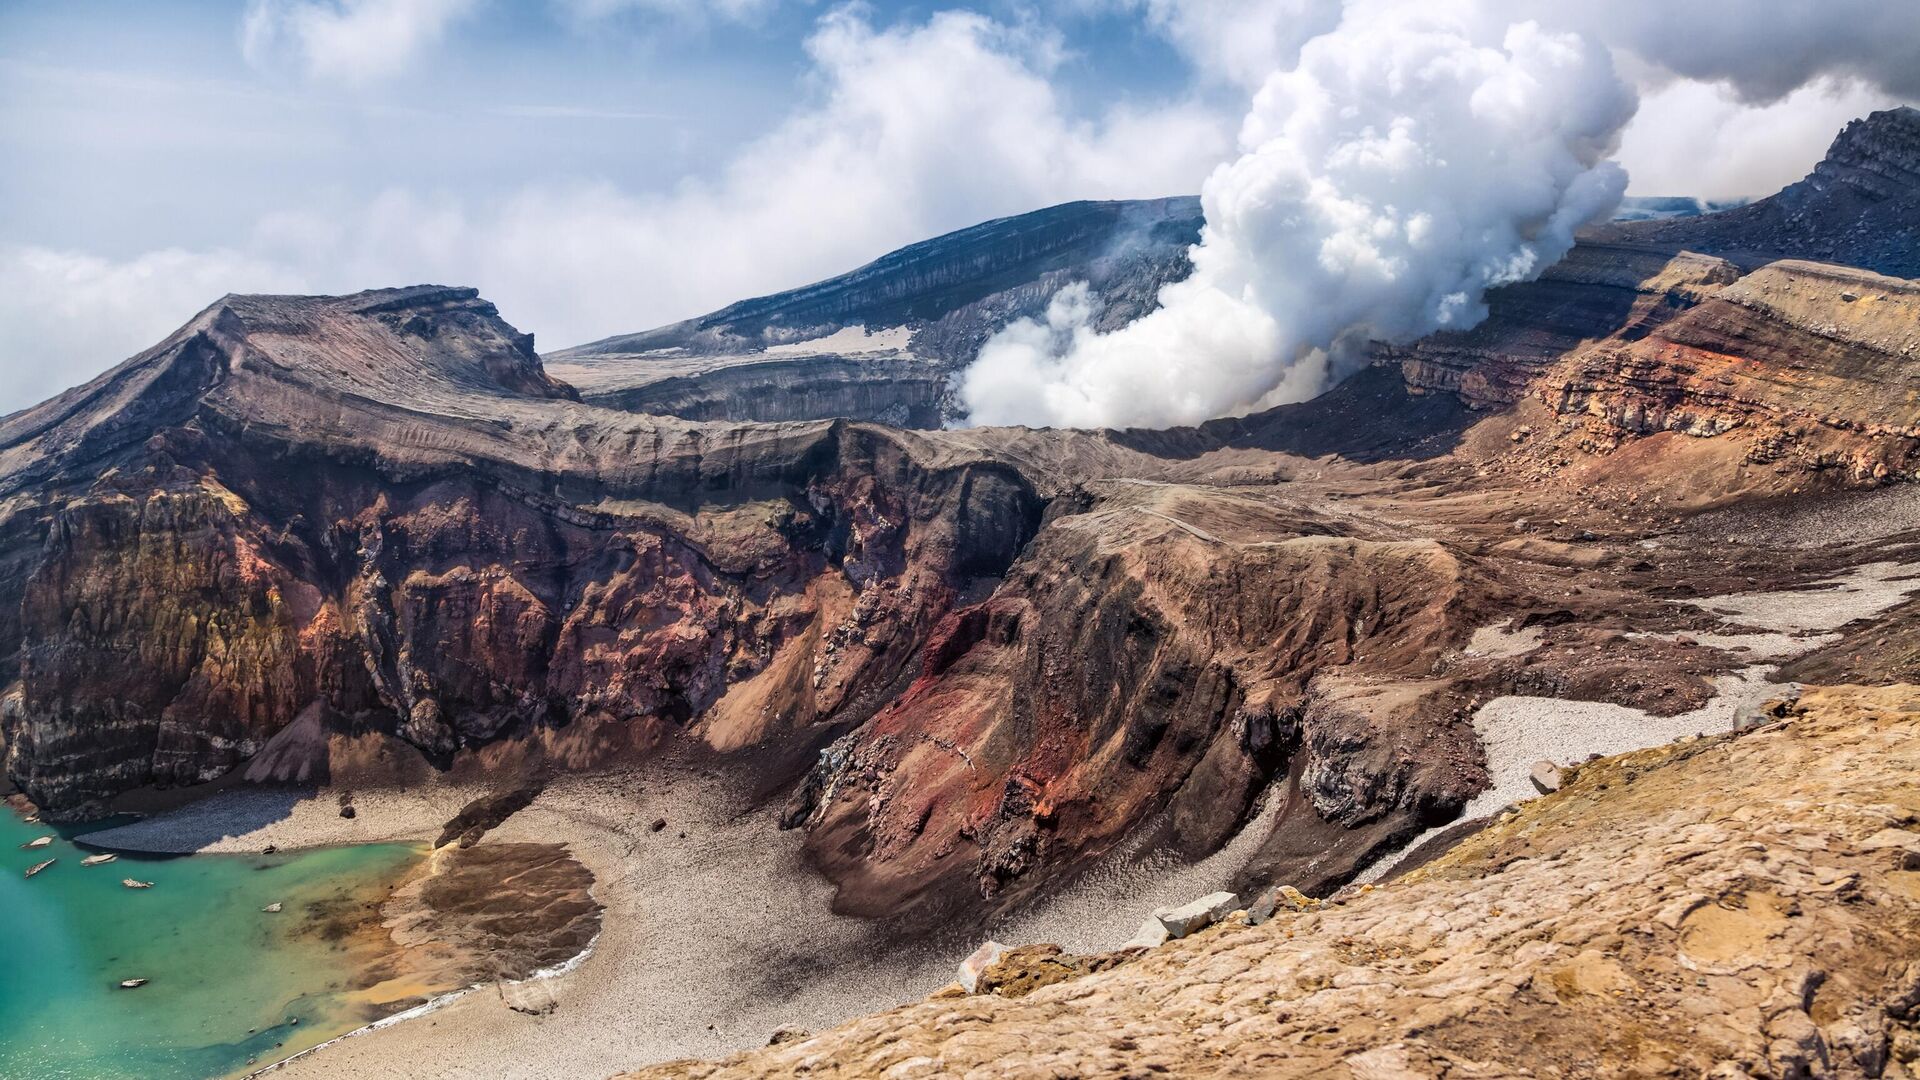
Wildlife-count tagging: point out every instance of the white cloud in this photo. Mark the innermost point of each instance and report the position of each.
(728, 10)
(355, 42)
(1241, 41)
(906, 132)
(1693, 138)
(1763, 49)
(914, 131)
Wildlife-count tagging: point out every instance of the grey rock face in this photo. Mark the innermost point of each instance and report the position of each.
(1196, 915)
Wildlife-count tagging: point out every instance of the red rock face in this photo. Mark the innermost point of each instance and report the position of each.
(224, 574)
(1153, 655)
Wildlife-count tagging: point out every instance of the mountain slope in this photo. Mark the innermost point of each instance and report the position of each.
(367, 538)
(878, 343)
(1859, 207)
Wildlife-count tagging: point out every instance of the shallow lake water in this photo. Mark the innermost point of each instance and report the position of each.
(229, 985)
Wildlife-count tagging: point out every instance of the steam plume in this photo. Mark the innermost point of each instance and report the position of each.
(1415, 156)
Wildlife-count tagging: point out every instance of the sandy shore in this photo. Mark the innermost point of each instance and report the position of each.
(251, 819)
(711, 940)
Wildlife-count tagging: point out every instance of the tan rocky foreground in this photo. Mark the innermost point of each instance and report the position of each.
(1730, 906)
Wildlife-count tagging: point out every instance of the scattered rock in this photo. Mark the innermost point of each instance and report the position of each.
(658, 824)
(1262, 908)
(348, 812)
(1546, 777)
(974, 966)
(530, 997)
(1021, 971)
(787, 1033)
(1291, 899)
(1201, 913)
(1773, 711)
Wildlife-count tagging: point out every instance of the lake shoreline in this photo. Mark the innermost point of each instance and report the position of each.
(236, 953)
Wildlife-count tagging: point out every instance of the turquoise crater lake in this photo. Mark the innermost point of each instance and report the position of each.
(230, 986)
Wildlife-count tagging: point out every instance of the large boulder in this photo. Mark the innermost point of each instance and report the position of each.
(1198, 915)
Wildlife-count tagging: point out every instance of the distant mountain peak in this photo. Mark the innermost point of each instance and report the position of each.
(1860, 206)
(1878, 155)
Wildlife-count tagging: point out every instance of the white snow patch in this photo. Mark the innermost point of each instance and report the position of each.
(846, 341)
(1517, 731)
(1501, 639)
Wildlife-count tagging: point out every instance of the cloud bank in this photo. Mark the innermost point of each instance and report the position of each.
(62, 311)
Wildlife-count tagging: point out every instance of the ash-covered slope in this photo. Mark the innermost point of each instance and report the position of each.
(879, 343)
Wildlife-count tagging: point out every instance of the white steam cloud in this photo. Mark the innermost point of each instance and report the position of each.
(1393, 169)
(1413, 159)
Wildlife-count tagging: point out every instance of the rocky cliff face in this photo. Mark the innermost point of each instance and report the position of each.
(1724, 324)
(965, 662)
(905, 391)
(377, 508)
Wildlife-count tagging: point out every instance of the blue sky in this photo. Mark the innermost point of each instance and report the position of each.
(599, 166)
(117, 113)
